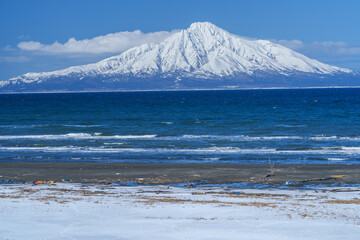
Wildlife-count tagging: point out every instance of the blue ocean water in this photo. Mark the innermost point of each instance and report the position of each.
(246, 126)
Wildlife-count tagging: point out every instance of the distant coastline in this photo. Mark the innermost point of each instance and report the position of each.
(185, 90)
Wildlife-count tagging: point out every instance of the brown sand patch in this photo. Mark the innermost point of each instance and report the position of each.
(354, 201)
(79, 191)
(11, 196)
(152, 200)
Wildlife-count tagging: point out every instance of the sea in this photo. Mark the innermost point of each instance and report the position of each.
(284, 126)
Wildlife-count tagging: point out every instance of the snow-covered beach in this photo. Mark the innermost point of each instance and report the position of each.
(78, 211)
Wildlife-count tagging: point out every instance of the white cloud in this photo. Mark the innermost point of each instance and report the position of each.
(110, 43)
(327, 48)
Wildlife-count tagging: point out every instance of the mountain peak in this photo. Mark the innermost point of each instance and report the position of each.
(202, 25)
(205, 28)
(204, 54)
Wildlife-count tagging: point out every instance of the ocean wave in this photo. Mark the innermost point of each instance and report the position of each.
(135, 136)
(322, 138)
(261, 138)
(115, 143)
(329, 138)
(24, 126)
(167, 123)
(198, 151)
(148, 136)
(211, 159)
(325, 150)
(336, 159)
(137, 150)
(15, 126)
(290, 126)
(244, 138)
(80, 126)
(74, 136)
(240, 137)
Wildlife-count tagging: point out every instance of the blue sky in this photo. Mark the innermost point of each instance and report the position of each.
(326, 30)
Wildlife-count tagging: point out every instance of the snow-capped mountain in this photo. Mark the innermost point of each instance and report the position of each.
(202, 56)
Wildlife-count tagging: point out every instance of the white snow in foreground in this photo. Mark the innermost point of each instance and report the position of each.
(74, 211)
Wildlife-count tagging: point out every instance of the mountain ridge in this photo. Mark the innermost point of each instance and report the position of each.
(201, 52)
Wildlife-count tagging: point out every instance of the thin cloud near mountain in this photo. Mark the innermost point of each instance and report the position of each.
(110, 43)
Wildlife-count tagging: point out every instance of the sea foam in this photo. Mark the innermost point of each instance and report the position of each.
(209, 150)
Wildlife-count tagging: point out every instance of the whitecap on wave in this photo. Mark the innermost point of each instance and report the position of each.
(336, 159)
(329, 138)
(75, 136)
(209, 150)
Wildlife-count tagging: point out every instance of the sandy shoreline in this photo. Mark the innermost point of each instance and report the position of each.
(161, 173)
